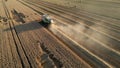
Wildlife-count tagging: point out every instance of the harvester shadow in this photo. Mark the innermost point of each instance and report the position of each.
(25, 27)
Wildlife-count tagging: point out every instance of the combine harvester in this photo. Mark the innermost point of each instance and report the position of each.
(45, 20)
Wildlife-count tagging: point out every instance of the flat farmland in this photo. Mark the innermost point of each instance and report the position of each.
(78, 37)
